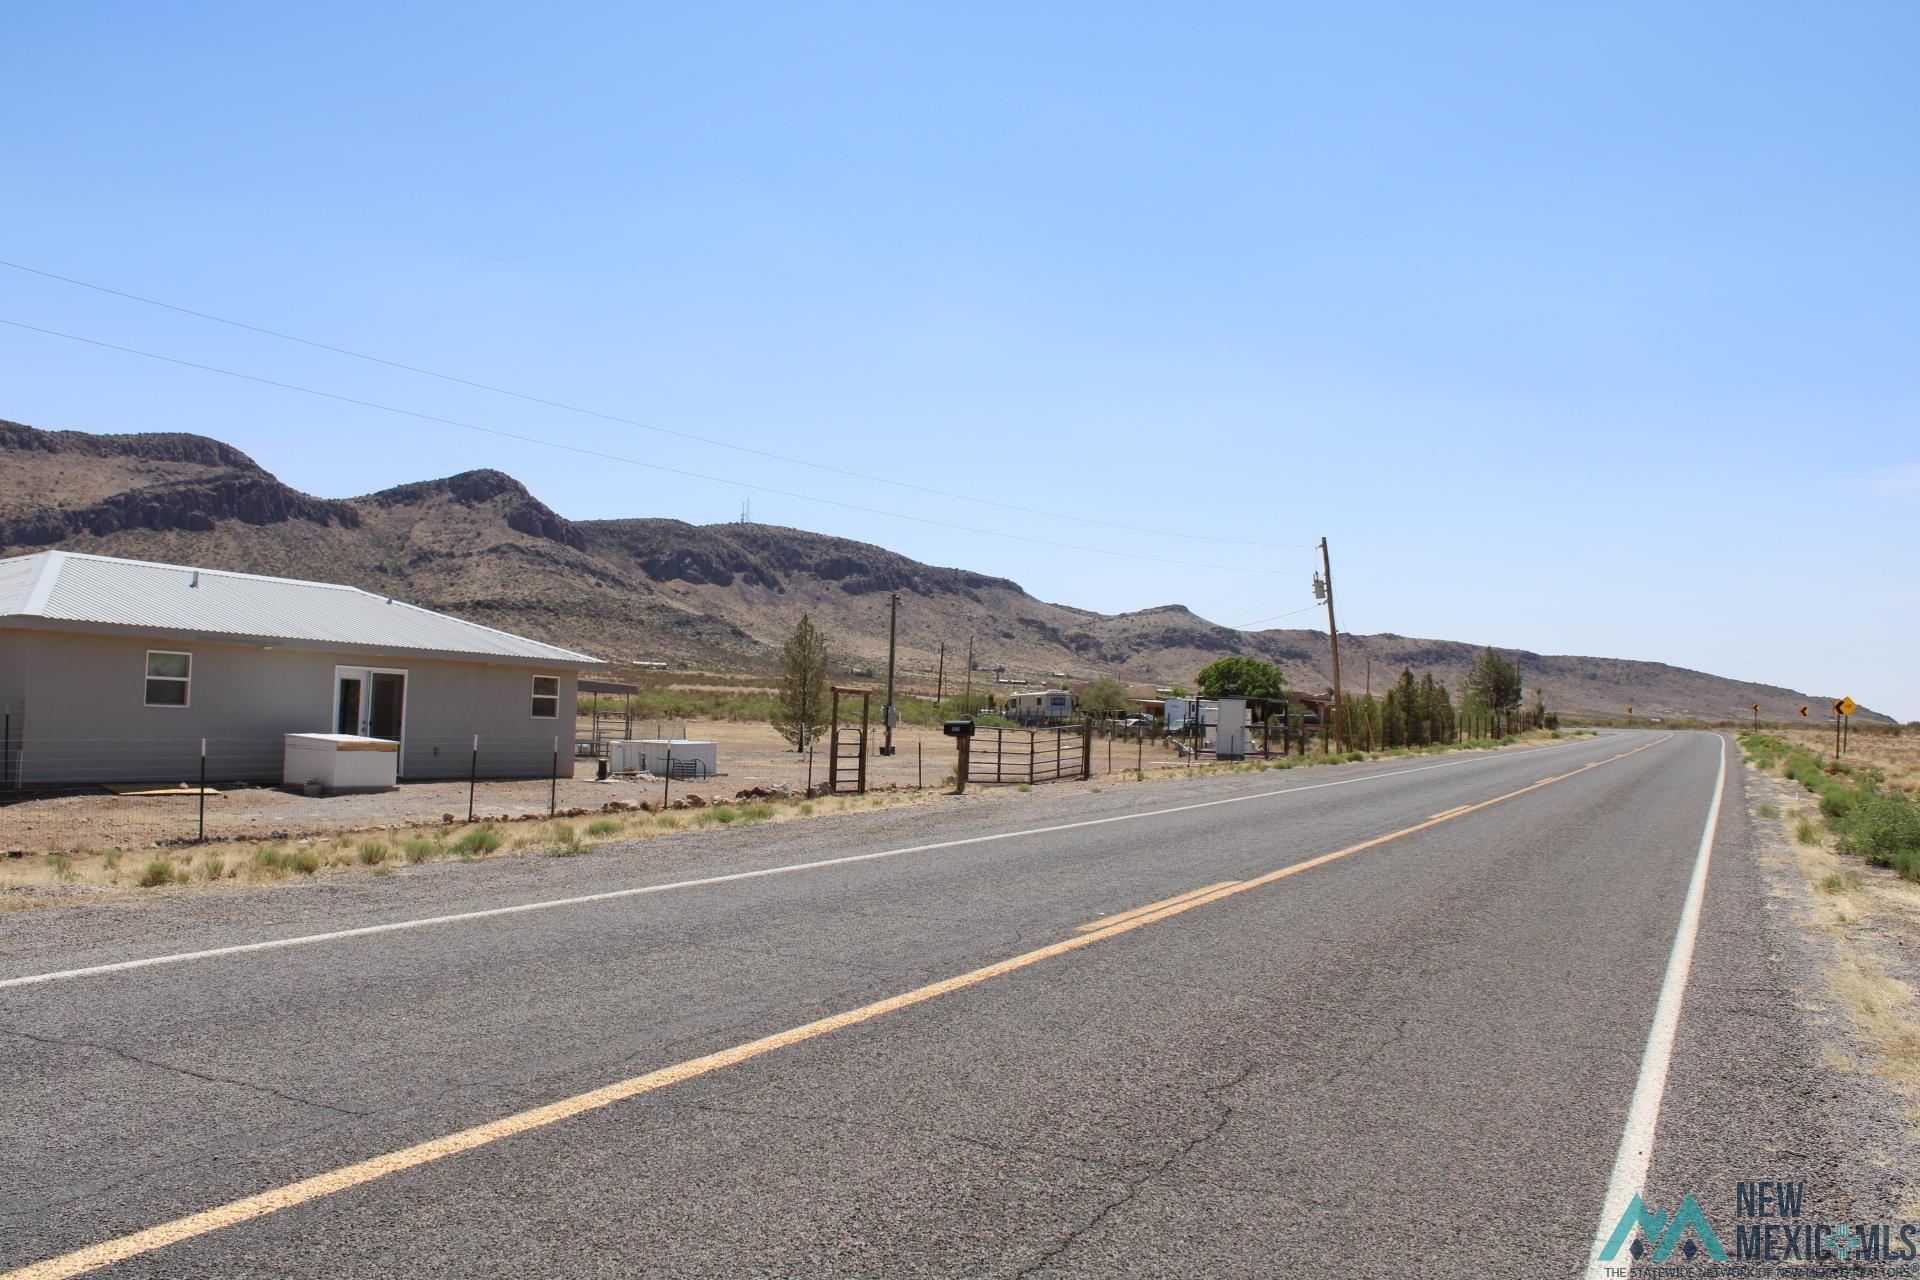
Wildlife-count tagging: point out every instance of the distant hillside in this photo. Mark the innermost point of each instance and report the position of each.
(720, 597)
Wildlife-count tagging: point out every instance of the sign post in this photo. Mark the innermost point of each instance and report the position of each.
(1842, 709)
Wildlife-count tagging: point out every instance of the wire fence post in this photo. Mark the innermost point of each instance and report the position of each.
(202, 837)
(473, 775)
(553, 784)
(919, 765)
(666, 788)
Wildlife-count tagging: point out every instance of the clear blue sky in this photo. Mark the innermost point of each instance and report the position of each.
(1588, 331)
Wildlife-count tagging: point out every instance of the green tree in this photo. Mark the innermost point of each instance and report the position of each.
(1405, 696)
(1430, 717)
(1240, 677)
(801, 708)
(1103, 699)
(1448, 724)
(1496, 683)
(1393, 719)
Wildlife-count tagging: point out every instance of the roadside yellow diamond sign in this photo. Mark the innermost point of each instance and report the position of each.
(1845, 707)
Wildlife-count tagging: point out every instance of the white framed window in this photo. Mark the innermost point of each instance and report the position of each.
(169, 677)
(546, 697)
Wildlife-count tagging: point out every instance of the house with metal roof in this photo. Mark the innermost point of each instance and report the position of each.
(114, 671)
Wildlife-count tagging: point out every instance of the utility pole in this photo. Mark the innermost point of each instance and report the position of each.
(966, 708)
(890, 714)
(1324, 587)
(940, 681)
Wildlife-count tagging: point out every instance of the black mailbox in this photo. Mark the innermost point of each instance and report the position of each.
(959, 728)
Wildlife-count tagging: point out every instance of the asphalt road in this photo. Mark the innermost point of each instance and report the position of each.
(1414, 1059)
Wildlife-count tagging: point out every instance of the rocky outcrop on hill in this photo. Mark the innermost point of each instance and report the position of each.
(158, 446)
(226, 485)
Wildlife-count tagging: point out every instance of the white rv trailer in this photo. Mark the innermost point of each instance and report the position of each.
(1048, 706)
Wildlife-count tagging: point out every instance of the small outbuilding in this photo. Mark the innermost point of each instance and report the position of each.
(115, 671)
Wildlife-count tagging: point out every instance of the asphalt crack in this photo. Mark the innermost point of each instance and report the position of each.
(203, 1076)
(1216, 1095)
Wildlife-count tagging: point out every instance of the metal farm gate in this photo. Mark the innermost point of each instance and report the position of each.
(1031, 755)
(847, 745)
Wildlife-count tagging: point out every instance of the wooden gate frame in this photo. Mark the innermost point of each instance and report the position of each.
(834, 771)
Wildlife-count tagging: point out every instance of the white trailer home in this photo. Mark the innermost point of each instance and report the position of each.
(1048, 706)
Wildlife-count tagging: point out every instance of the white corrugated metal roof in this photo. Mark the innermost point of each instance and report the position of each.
(65, 586)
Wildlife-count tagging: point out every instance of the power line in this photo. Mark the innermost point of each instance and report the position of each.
(630, 422)
(614, 457)
(1248, 626)
(1218, 601)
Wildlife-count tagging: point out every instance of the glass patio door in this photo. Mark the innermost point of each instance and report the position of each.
(370, 703)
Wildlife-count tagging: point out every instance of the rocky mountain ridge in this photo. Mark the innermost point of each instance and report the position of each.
(716, 597)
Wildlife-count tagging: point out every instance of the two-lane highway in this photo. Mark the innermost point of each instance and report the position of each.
(1382, 1020)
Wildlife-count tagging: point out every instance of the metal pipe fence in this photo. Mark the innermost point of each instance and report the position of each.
(79, 794)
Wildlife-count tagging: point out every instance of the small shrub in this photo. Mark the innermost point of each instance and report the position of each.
(806, 811)
(112, 861)
(723, 815)
(1095, 791)
(602, 827)
(373, 852)
(383, 871)
(563, 833)
(1834, 883)
(271, 858)
(1884, 830)
(1355, 757)
(1023, 787)
(304, 861)
(158, 872)
(420, 850)
(1769, 810)
(668, 822)
(478, 841)
(756, 812)
(1837, 802)
(212, 865)
(1805, 832)
(61, 866)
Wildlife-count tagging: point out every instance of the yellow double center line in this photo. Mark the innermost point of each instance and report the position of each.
(109, 1252)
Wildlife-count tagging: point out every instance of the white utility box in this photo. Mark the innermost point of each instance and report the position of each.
(341, 762)
(1230, 729)
(691, 757)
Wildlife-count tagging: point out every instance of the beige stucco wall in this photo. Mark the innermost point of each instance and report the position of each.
(85, 718)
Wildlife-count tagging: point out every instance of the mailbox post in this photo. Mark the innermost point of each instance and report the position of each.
(961, 731)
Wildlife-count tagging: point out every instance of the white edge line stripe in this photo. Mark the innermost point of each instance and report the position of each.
(489, 913)
(1643, 1113)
